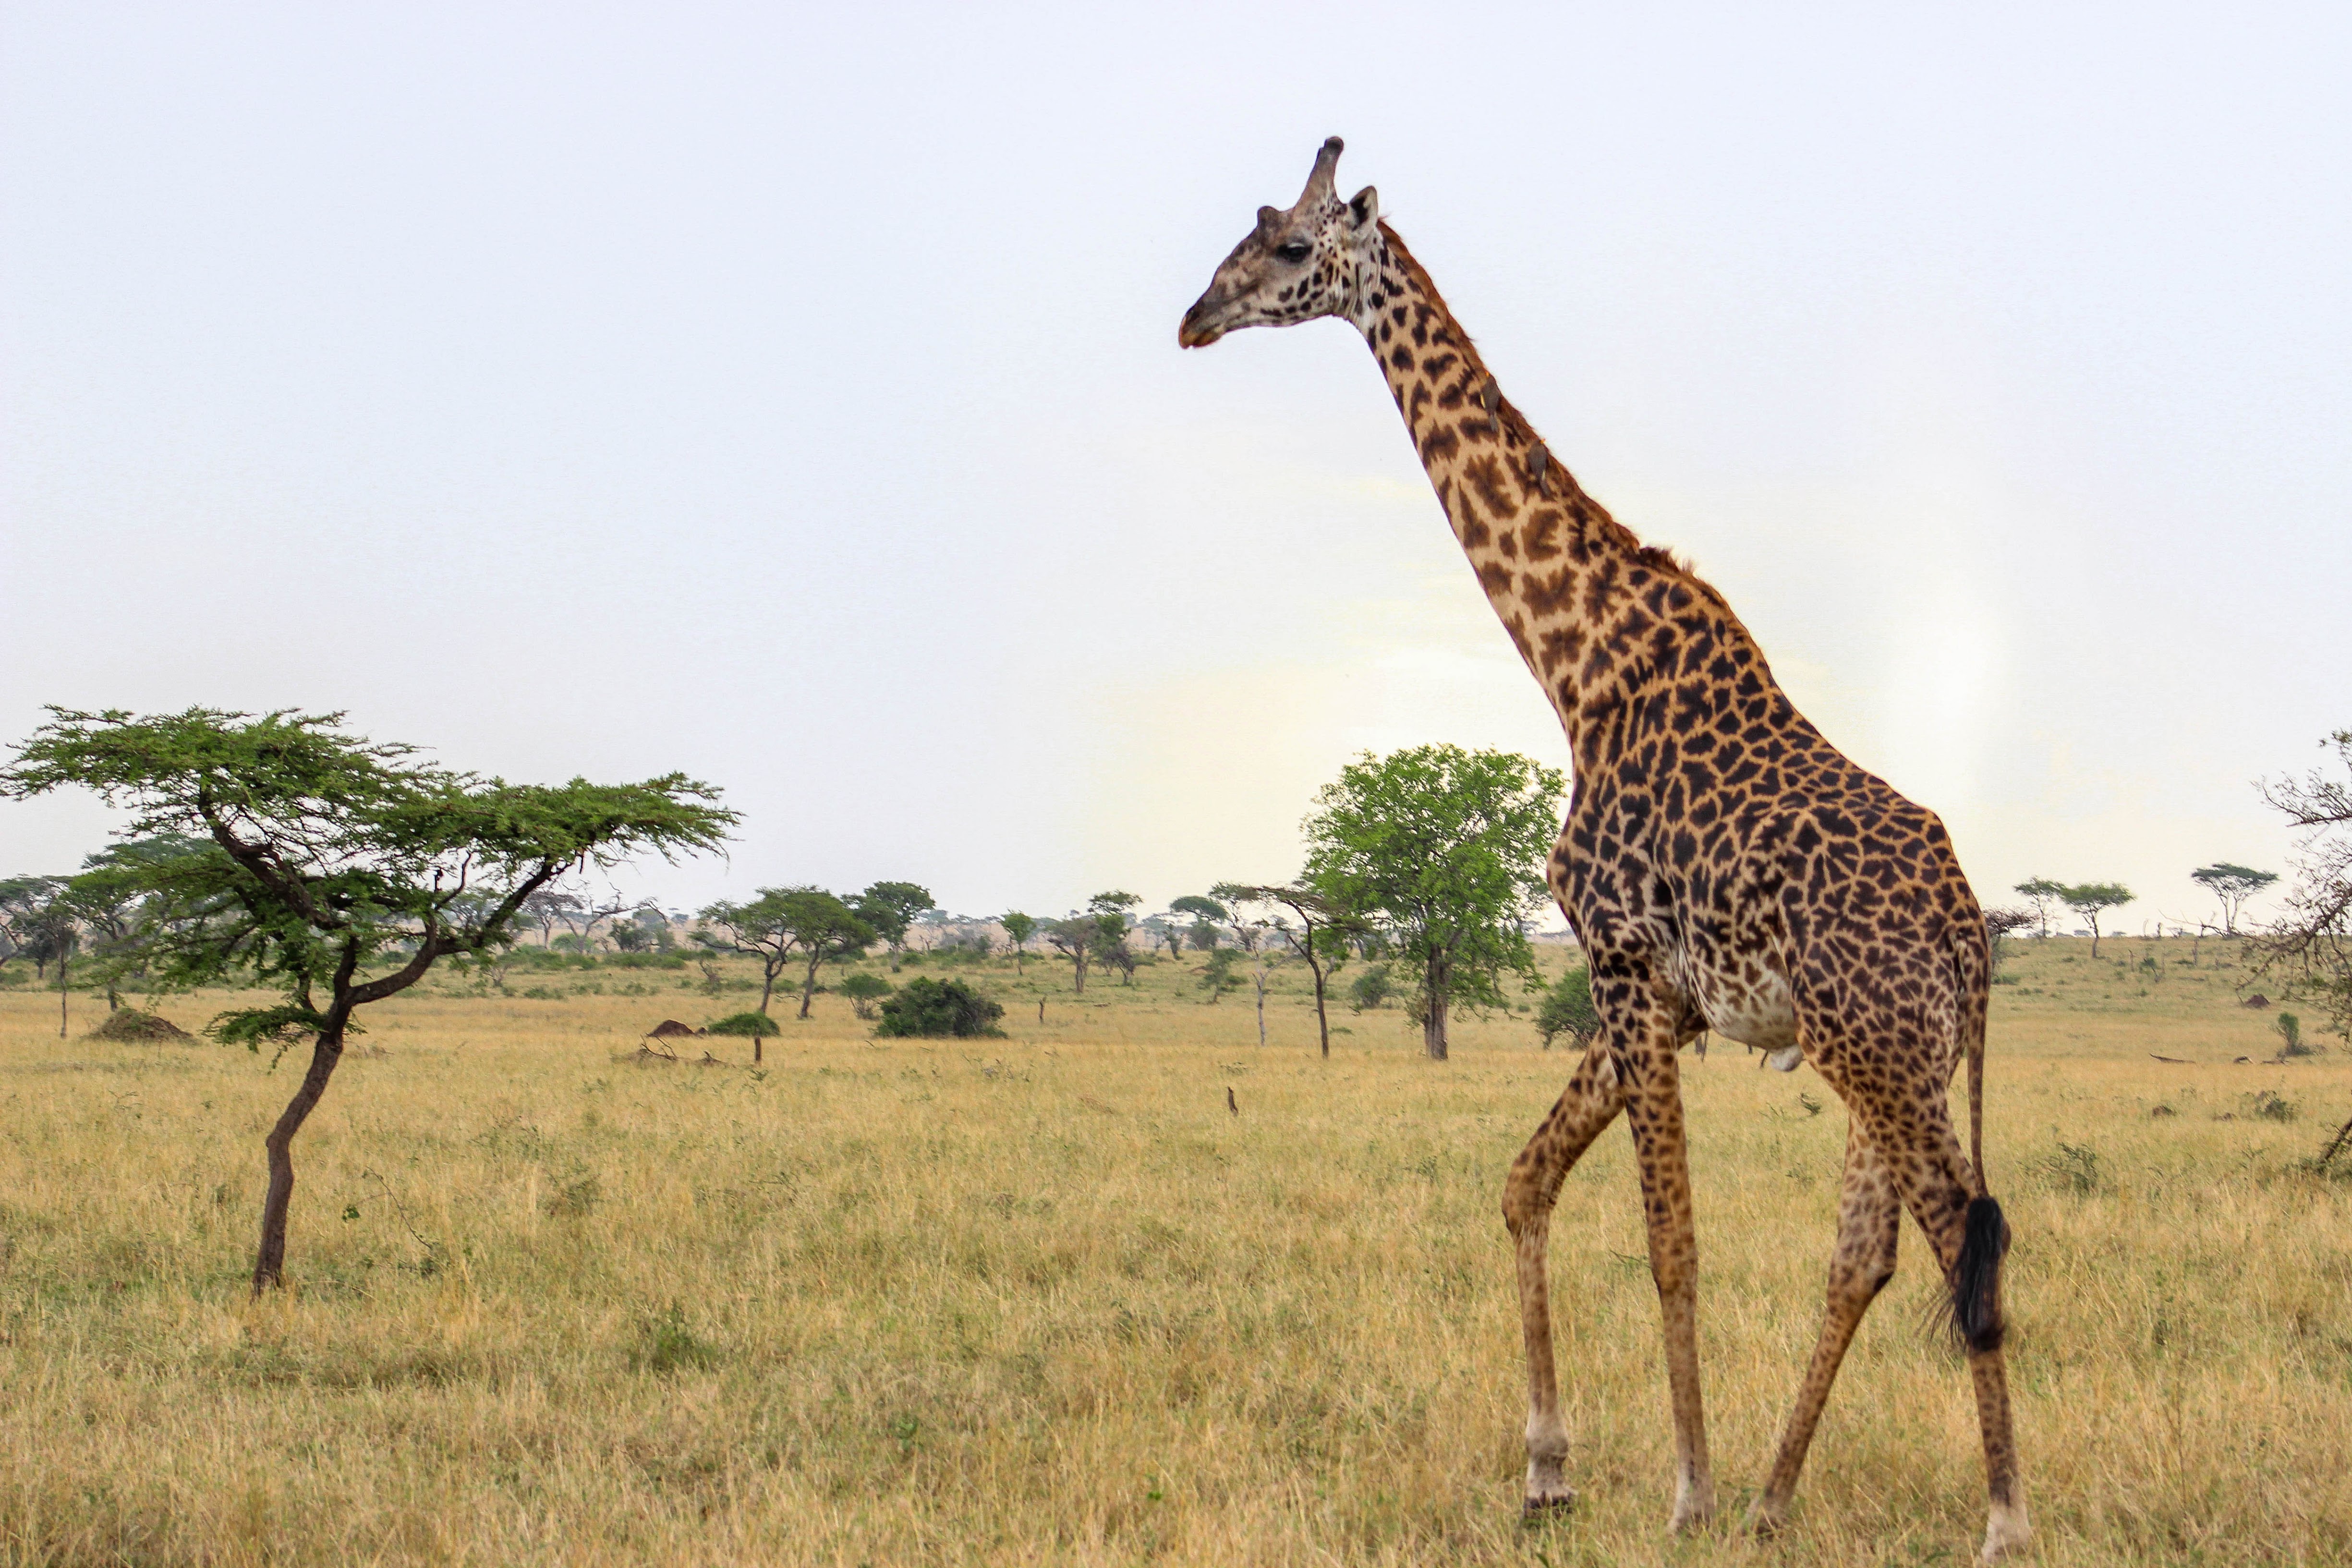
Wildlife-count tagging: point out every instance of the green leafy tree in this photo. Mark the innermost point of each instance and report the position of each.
(1568, 1010)
(1217, 975)
(335, 869)
(1319, 939)
(1076, 939)
(1112, 913)
(928, 1007)
(2092, 900)
(2044, 895)
(38, 916)
(889, 908)
(2232, 886)
(1206, 914)
(1447, 847)
(784, 926)
(1018, 929)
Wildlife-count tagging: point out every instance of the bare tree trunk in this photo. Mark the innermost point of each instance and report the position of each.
(808, 986)
(270, 1267)
(61, 995)
(1433, 1027)
(767, 989)
(1322, 1022)
(1260, 977)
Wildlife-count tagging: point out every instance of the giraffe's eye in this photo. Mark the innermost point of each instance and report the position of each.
(1295, 251)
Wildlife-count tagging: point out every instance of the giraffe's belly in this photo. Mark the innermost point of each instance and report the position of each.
(1750, 1003)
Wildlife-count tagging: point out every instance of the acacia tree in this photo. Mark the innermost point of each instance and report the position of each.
(1321, 938)
(2044, 895)
(548, 908)
(2312, 938)
(781, 926)
(2233, 885)
(1448, 848)
(1206, 915)
(119, 913)
(2092, 900)
(1075, 938)
(334, 868)
(2000, 925)
(1110, 912)
(38, 916)
(889, 908)
(1018, 929)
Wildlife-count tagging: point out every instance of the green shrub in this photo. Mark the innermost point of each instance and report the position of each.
(864, 989)
(928, 1007)
(2291, 1040)
(1369, 989)
(754, 1023)
(1568, 1009)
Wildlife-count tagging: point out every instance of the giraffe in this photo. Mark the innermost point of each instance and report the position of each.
(1724, 866)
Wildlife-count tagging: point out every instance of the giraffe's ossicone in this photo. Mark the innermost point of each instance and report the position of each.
(1725, 868)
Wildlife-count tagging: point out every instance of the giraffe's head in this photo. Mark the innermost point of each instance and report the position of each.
(1294, 266)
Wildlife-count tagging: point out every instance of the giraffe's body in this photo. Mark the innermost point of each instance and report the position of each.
(1725, 866)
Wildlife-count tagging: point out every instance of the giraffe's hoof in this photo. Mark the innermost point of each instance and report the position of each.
(1694, 1512)
(1548, 1503)
(1764, 1521)
(2006, 1531)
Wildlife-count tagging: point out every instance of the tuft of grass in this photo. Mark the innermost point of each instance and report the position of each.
(667, 1342)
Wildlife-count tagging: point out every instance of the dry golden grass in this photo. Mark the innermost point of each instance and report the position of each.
(1044, 1300)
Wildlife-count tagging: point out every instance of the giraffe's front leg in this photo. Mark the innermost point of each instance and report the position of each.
(1591, 1102)
(1653, 1107)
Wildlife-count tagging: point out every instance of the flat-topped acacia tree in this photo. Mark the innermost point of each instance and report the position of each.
(334, 868)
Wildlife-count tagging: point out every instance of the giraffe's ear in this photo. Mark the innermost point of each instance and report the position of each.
(1365, 208)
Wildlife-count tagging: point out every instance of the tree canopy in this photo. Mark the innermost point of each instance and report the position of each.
(781, 926)
(889, 908)
(1447, 847)
(2231, 884)
(334, 868)
(2092, 900)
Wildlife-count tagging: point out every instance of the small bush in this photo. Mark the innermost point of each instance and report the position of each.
(1568, 1009)
(754, 1023)
(1372, 989)
(2074, 1168)
(2268, 1105)
(927, 1006)
(864, 989)
(666, 1344)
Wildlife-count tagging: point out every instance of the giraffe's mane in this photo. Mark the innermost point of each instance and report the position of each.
(1657, 558)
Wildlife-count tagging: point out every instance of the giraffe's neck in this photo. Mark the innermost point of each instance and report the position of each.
(1598, 615)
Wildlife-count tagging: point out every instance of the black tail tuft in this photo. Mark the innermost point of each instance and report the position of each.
(1975, 1278)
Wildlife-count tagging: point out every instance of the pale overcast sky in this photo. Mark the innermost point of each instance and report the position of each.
(788, 395)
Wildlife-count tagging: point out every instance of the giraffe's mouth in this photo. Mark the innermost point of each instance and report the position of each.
(1201, 327)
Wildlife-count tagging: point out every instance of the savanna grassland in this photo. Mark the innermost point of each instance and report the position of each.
(1044, 1299)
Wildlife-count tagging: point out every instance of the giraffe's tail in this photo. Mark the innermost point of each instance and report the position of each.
(1984, 1240)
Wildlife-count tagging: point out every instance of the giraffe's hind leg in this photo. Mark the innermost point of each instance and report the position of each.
(1869, 1216)
(1591, 1102)
(1931, 1174)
